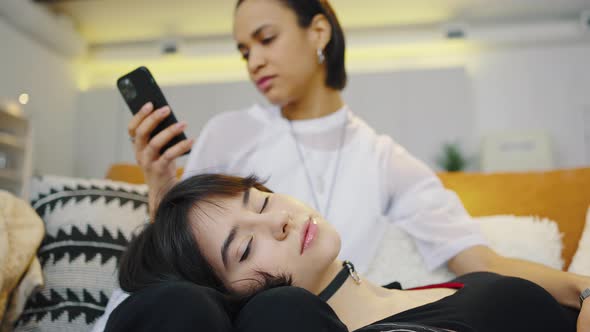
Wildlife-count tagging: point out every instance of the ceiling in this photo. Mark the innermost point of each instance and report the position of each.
(120, 21)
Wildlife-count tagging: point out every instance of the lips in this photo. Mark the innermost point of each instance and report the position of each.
(309, 232)
(265, 83)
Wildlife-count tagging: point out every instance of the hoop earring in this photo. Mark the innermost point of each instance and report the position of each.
(321, 56)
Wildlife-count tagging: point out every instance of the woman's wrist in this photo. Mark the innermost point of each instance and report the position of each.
(584, 295)
(157, 189)
(582, 284)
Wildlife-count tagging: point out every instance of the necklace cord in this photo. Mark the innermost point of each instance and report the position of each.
(346, 271)
(307, 172)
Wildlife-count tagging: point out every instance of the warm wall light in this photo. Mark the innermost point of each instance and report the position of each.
(180, 69)
(23, 99)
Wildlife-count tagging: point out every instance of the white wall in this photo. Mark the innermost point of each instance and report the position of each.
(26, 66)
(543, 87)
(540, 88)
(422, 109)
(103, 117)
(393, 102)
(522, 89)
(465, 97)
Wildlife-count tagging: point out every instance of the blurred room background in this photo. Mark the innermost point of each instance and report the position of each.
(476, 85)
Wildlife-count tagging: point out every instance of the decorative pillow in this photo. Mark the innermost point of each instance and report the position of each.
(21, 233)
(581, 261)
(88, 225)
(528, 238)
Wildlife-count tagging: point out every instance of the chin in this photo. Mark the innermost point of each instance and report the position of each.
(329, 245)
(276, 100)
(277, 97)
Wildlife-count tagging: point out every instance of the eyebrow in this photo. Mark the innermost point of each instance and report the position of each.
(246, 198)
(254, 34)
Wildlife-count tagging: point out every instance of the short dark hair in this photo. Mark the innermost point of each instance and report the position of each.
(306, 10)
(166, 249)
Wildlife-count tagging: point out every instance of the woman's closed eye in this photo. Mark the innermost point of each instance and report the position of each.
(249, 245)
(265, 202)
(247, 251)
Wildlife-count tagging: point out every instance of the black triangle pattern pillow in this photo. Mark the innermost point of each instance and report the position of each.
(88, 225)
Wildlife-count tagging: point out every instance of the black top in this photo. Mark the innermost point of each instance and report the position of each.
(288, 309)
(490, 302)
(171, 306)
(182, 307)
(487, 302)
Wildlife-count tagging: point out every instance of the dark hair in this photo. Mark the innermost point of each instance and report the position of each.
(166, 249)
(306, 10)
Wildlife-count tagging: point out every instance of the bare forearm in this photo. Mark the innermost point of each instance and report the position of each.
(155, 194)
(584, 318)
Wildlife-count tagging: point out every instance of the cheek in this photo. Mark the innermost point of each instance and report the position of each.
(296, 63)
(269, 258)
(334, 242)
(327, 249)
(273, 257)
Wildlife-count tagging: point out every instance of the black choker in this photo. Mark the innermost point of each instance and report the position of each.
(334, 286)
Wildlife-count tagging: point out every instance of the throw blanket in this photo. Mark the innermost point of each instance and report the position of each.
(21, 233)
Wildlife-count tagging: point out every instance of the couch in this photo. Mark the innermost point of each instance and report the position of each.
(90, 221)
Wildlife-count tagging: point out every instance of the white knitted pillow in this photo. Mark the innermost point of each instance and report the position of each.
(528, 238)
(581, 262)
(88, 226)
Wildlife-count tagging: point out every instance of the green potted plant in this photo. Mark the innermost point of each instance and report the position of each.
(451, 159)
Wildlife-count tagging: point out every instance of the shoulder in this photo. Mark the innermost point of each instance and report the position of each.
(230, 118)
(239, 122)
(398, 167)
(174, 293)
(170, 304)
(281, 309)
(383, 145)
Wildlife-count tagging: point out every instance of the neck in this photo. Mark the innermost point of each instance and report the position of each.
(354, 303)
(358, 305)
(319, 101)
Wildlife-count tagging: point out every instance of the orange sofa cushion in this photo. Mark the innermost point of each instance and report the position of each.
(130, 173)
(561, 195)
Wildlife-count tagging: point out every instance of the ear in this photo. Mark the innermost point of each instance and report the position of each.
(320, 31)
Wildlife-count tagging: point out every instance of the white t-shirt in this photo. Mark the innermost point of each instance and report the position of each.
(377, 180)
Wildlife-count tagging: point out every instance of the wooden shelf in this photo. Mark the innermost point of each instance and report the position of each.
(8, 116)
(16, 144)
(12, 141)
(10, 175)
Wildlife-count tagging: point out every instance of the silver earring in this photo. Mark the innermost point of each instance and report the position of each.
(321, 56)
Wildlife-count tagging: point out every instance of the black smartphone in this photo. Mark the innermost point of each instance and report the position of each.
(138, 88)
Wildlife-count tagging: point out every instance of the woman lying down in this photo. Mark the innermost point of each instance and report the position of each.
(221, 247)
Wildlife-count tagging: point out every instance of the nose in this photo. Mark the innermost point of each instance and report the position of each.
(280, 225)
(256, 61)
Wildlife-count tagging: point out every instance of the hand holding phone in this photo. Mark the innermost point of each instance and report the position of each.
(153, 123)
(139, 88)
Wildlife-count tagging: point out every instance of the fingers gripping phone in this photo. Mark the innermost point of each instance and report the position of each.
(138, 88)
